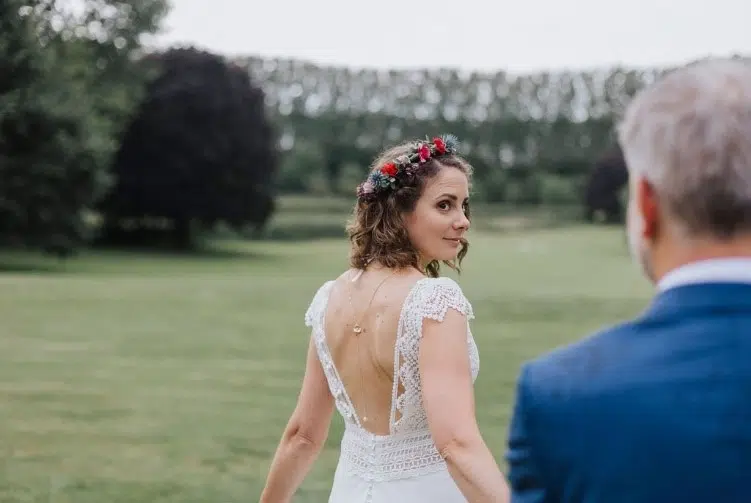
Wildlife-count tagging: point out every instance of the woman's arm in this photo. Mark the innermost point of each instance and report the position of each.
(304, 435)
(448, 398)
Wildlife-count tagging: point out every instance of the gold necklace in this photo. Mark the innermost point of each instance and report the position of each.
(357, 326)
(357, 330)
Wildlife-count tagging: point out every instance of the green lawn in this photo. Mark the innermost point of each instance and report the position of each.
(135, 378)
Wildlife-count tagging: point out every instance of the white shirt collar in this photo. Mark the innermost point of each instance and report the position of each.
(735, 270)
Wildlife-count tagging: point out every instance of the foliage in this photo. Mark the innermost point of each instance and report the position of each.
(65, 89)
(199, 149)
(604, 187)
(81, 133)
(515, 129)
(533, 138)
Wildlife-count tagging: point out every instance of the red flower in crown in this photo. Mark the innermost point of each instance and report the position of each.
(389, 169)
(424, 152)
(440, 146)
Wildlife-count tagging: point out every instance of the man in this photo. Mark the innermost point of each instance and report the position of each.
(658, 410)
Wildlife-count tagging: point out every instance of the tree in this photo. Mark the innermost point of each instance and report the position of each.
(48, 170)
(58, 120)
(199, 150)
(604, 185)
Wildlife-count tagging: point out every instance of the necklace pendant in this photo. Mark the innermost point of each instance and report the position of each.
(357, 329)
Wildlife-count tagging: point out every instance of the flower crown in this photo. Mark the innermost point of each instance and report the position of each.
(401, 170)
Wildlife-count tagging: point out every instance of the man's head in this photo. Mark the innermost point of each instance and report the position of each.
(687, 144)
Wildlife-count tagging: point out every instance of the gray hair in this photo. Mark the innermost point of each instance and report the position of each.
(689, 136)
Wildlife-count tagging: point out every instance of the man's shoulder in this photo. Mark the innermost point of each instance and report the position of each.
(580, 361)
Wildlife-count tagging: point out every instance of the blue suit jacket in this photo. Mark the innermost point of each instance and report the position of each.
(657, 410)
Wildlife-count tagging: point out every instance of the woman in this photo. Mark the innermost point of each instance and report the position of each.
(391, 348)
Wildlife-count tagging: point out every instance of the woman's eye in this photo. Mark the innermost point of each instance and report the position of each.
(445, 205)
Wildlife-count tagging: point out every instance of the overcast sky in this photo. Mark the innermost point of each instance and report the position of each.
(516, 35)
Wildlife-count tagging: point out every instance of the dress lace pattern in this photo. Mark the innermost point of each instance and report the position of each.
(408, 450)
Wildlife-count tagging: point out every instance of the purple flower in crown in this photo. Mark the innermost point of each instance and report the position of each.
(365, 188)
(410, 170)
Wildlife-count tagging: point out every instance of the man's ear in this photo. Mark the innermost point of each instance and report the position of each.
(647, 207)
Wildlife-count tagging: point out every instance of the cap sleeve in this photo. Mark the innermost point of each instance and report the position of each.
(438, 295)
(317, 308)
(432, 298)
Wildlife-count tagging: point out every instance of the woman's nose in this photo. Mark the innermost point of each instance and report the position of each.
(462, 222)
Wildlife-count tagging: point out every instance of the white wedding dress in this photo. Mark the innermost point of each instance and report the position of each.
(403, 466)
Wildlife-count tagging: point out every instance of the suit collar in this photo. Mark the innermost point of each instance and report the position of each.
(719, 270)
(695, 298)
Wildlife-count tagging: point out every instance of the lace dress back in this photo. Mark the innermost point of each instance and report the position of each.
(367, 460)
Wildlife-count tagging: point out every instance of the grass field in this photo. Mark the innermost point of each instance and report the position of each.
(156, 378)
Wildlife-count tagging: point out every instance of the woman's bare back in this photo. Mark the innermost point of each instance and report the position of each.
(372, 300)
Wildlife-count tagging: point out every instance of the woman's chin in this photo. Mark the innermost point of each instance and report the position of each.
(447, 255)
(453, 249)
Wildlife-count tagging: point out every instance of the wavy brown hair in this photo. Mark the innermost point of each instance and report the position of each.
(376, 230)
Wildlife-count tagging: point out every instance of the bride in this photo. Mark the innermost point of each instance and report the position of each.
(392, 350)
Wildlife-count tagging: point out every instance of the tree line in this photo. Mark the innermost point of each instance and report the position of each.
(543, 138)
(533, 139)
